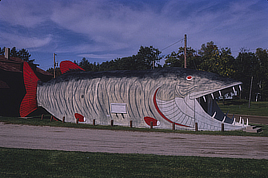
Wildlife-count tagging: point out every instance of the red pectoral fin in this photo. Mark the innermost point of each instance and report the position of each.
(148, 120)
(80, 117)
(66, 66)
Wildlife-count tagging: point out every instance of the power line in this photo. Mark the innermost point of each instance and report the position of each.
(173, 44)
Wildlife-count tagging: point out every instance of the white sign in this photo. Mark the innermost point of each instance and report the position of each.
(119, 108)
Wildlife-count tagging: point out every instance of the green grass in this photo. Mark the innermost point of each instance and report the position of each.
(42, 163)
(36, 121)
(241, 107)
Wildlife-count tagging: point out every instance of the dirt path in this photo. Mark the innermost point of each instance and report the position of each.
(91, 140)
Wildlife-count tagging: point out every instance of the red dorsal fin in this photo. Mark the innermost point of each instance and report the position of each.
(29, 102)
(66, 66)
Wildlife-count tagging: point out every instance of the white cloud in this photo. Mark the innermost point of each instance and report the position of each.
(24, 13)
(19, 41)
(102, 29)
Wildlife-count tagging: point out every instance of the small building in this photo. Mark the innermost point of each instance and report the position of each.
(12, 89)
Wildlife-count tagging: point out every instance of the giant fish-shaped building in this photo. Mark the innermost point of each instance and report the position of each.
(163, 96)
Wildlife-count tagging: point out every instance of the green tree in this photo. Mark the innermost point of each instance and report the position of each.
(246, 65)
(262, 73)
(177, 59)
(25, 55)
(216, 60)
(51, 70)
(147, 58)
(85, 64)
(2, 51)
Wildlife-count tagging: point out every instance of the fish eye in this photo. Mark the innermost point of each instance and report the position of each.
(189, 77)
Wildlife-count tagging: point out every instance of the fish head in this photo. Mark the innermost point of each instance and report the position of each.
(197, 84)
(193, 95)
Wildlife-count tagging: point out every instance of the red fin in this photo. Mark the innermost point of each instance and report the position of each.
(65, 66)
(148, 120)
(80, 117)
(29, 102)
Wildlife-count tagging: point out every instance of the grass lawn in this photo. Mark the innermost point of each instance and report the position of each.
(259, 108)
(42, 163)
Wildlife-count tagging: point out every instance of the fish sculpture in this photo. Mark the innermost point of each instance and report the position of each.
(161, 97)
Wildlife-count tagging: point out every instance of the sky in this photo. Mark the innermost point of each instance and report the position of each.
(102, 30)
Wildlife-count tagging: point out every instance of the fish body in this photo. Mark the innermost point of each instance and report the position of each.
(163, 96)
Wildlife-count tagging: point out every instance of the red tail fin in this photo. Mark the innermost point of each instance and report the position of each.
(65, 66)
(29, 102)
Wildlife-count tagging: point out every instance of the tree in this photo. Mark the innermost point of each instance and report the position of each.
(144, 59)
(51, 70)
(25, 55)
(14, 52)
(216, 60)
(262, 74)
(22, 53)
(147, 58)
(2, 51)
(177, 59)
(85, 64)
(246, 65)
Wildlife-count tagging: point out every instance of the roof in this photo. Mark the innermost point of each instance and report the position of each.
(14, 64)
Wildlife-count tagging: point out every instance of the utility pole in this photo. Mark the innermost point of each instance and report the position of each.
(54, 65)
(249, 98)
(185, 45)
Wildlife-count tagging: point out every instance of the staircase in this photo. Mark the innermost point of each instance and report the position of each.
(252, 129)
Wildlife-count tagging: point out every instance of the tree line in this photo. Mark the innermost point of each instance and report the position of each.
(22, 53)
(208, 58)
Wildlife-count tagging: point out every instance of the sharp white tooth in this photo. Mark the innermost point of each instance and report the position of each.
(234, 89)
(234, 122)
(247, 122)
(212, 95)
(243, 122)
(204, 98)
(240, 87)
(214, 114)
(220, 93)
(223, 119)
(240, 120)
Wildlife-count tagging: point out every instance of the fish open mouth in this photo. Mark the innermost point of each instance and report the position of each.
(210, 106)
(196, 106)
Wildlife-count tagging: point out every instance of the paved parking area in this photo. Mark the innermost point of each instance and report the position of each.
(93, 140)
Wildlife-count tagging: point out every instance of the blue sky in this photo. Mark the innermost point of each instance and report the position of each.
(102, 30)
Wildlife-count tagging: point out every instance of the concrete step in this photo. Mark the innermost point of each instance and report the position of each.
(252, 129)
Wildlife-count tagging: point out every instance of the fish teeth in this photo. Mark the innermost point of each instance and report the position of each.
(212, 95)
(220, 93)
(214, 114)
(223, 119)
(234, 122)
(234, 89)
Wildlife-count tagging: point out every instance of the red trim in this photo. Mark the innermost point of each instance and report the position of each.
(158, 110)
(65, 66)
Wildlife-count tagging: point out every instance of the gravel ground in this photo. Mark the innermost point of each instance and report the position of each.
(92, 140)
